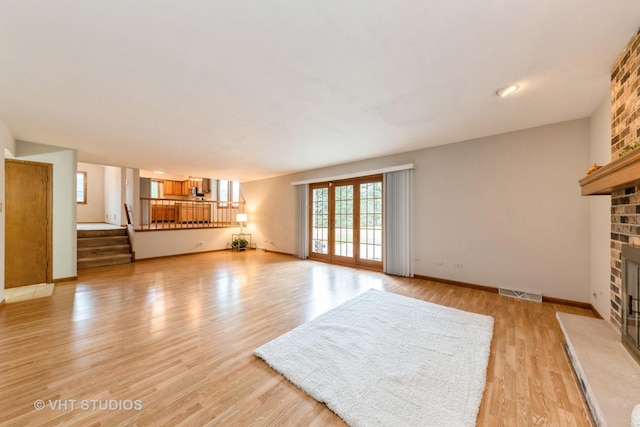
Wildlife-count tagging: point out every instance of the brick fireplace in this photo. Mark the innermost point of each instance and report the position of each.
(602, 365)
(625, 131)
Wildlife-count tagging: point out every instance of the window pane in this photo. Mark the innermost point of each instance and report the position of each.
(343, 235)
(155, 189)
(81, 187)
(235, 191)
(223, 190)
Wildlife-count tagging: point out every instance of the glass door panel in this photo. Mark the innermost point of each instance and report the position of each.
(320, 221)
(343, 220)
(370, 221)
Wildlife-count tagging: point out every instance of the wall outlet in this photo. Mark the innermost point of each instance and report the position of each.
(458, 265)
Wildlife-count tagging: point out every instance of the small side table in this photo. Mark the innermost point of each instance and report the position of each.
(240, 241)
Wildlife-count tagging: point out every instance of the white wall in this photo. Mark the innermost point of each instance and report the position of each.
(113, 197)
(151, 244)
(506, 207)
(129, 186)
(600, 212)
(64, 202)
(6, 143)
(270, 208)
(93, 210)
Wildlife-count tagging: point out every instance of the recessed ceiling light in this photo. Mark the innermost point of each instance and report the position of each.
(506, 91)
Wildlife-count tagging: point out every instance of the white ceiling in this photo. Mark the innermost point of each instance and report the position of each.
(245, 89)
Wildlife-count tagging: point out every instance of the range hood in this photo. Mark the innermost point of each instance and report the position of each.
(620, 173)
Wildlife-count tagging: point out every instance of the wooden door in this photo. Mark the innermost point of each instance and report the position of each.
(28, 187)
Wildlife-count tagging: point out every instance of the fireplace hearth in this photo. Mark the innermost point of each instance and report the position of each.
(631, 299)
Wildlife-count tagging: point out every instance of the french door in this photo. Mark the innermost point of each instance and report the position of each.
(346, 221)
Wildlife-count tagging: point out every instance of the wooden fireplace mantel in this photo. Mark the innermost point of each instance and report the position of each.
(620, 173)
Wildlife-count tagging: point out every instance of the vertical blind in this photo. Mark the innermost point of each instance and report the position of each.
(302, 213)
(398, 256)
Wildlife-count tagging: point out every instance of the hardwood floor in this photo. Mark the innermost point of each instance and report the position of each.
(176, 335)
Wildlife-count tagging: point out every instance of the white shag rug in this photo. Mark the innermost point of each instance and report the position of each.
(383, 359)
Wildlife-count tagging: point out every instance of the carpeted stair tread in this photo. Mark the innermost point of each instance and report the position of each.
(98, 248)
(85, 242)
(104, 260)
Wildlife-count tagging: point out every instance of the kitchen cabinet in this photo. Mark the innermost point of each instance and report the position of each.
(169, 188)
(163, 213)
(176, 188)
(193, 212)
(186, 187)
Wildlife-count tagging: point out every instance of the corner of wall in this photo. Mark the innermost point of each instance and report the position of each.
(7, 143)
(600, 212)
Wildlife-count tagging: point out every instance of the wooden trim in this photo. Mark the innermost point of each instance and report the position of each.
(50, 222)
(553, 300)
(186, 253)
(318, 256)
(65, 279)
(3, 302)
(494, 290)
(595, 312)
(491, 289)
(278, 252)
(620, 173)
(126, 211)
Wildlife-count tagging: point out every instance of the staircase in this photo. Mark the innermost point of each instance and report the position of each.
(103, 247)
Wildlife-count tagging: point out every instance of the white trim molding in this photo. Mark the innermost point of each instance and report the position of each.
(356, 174)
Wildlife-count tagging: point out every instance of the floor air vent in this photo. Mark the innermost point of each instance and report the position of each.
(529, 296)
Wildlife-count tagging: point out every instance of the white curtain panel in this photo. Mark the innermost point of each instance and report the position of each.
(398, 247)
(302, 213)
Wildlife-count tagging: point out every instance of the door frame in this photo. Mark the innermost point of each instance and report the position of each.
(49, 211)
(329, 256)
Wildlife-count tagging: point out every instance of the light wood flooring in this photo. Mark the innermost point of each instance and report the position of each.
(177, 335)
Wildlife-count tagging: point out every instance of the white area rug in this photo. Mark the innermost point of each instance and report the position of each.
(383, 359)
